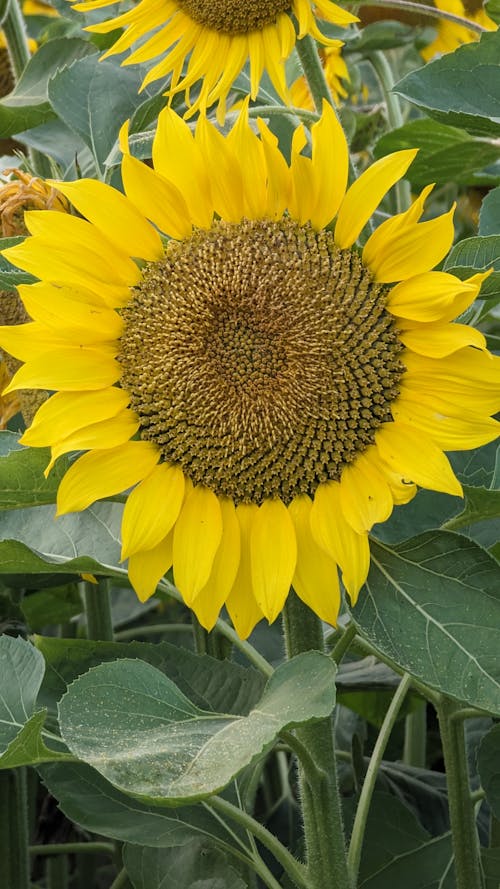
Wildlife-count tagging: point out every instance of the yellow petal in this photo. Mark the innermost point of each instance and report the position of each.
(29, 341)
(152, 509)
(68, 369)
(365, 194)
(396, 253)
(468, 365)
(330, 164)
(104, 473)
(210, 600)
(65, 412)
(225, 172)
(114, 216)
(71, 318)
(333, 533)
(417, 458)
(104, 434)
(241, 605)
(448, 432)
(316, 578)
(146, 568)
(365, 496)
(273, 556)
(278, 174)
(439, 340)
(244, 143)
(197, 537)
(432, 296)
(42, 293)
(158, 200)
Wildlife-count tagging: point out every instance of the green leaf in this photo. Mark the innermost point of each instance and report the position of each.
(480, 504)
(461, 88)
(446, 153)
(10, 275)
(86, 798)
(196, 865)
(28, 106)
(52, 606)
(489, 216)
(490, 860)
(399, 852)
(21, 673)
(432, 605)
(380, 35)
(209, 683)
(492, 7)
(22, 482)
(477, 254)
(488, 765)
(93, 98)
(173, 752)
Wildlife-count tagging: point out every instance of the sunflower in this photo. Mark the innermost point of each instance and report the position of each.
(218, 38)
(450, 35)
(267, 390)
(336, 72)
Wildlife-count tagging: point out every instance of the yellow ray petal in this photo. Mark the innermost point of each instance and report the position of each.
(316, 578)
(104, 473)
(68, 369)
(365, 496)
(411, 248)
(104, 434)
(244, 143)
(210, 600)
(278, 174)
(468, 395)
(30, 341)
(432, 296)
(330, 163)
(439, 340)
(226, 177)
(71, 318)
(158, 200)
(418, 459)
(241, 605)
(79, 237)
(152, 509)
(197, 536)
(42, 293)
(177, 157)
(467, 365)
(333, 533)
(114, 216)
(146, 568)
(365, 194)
(273, 556)
(65, 412)
(448, 432)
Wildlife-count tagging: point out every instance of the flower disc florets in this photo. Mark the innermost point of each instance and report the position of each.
(260, 358)
(234, 16)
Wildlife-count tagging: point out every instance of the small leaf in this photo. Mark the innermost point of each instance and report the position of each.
(480, 504)
(196, 865)
(461, 88)
(173, 752)
(432, 605)
(489, 216)
(22, 482)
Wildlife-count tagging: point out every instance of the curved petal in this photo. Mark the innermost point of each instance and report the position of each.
(432, 296)
(365, 496)
(147, 567)
(365, 194)
(241, 605)
(211, 598)
(273, 556)
(197, 537)
(419, 460)
(104, 473)
(152, 509)
(330, 164)
(56, 308)
(158, 200)
(439, 340)
(65, 412)
(448, 432)
(334, 534)
(68, 369)
(316, 579)
(104, 434)
(226, 180)
(396, 253)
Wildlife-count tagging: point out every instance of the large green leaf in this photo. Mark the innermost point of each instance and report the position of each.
(21, 673)
(172, 752)
(22, 482)
(445, 153)
(460, 88)
(488, 764)
(28, 106)
(196, 865)
(477, 254)
(432, 605)
(209, 683)
(480, 504)
(88, 799)
(489, 217)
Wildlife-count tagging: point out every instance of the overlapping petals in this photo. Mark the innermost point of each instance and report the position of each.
(244, 555)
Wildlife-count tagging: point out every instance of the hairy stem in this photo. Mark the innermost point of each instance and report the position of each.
(383, 71)
(98, 610)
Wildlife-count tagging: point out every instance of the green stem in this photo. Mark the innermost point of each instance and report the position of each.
(307, 51)
(308, 117)
(414, 753)
(494, 832)
(384, 73)
(321, 808)
(73, 849)
(423, 9)
(211, 643)
(358, 830)
(293, 868)
(56, 871)
(340, 648)
(14, 829)
(461, 806)
(98, 610)
(121, 881)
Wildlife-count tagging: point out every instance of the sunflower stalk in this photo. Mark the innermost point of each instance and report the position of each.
(98, 611)
(320, 799)
(385, 77)
(461, 805)
(14, 829)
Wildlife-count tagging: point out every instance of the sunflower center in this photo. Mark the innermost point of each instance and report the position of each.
(234, 16)
(260, 358)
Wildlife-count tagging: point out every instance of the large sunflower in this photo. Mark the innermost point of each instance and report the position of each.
(268, 390)
(217, 38)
